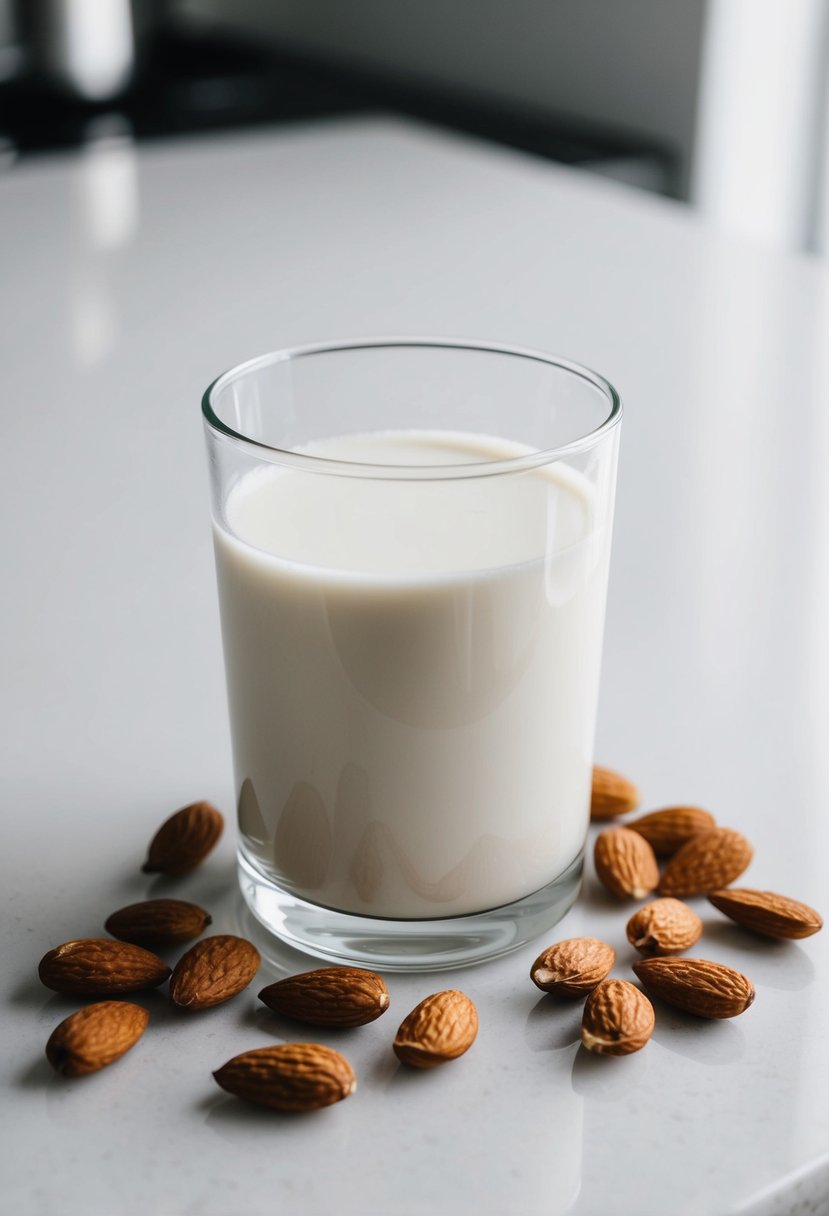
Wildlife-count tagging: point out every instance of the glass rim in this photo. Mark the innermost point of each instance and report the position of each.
(422, 472)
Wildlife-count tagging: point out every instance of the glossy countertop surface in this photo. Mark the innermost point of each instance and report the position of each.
(130, 278)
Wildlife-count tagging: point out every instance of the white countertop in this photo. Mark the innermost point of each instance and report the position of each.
(129, 281)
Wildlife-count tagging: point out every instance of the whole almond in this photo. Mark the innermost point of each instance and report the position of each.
(618, 1019)
(441, 1028)
(669, 829)
(664, 926)
(95, 966)
(95, 1036)
(766, 913)
(292, 1077)
(707, 862)
(612, 794)
(184, 840)
(574, 967)
(625, 863)
(709, 990)
(158, 922)
(329, 996)
(213, 971)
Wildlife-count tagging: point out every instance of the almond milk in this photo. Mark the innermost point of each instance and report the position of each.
(412, 668)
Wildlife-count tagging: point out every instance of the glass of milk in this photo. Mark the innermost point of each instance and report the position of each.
(412, 540)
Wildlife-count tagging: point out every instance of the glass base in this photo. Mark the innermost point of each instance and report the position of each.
(407, 945)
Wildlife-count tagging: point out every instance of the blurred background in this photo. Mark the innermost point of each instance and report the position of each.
(723, 104)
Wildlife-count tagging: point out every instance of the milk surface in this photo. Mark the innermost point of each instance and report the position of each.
(412, 670)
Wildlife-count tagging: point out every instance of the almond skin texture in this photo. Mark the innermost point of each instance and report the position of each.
(618, 1019)
(706, 863)
(329, 996)
(766, 913)
(213, 971)
(625, 863)
(293, 1077)
(665, 926)
(95, 966)
(669, 829)
(158, 922)
(709, 990)
(95, 1036)
(574, 967)
(441, 1028)
(184, 840)
(612, 794)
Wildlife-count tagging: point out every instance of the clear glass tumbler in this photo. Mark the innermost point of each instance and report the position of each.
(412, 541)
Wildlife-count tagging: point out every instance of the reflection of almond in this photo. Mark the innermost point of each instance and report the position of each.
(292, 1077)
(95, 1036)
(251, 822)
(302, 845)
(213, 971)
(612, 794)
(625, 863)
(329, 996)
(707, 862)
(441, 1028)
(573, 967)
(766, 913)
(709, 990)
(664, 926)
(669, 829)
(618, 1019)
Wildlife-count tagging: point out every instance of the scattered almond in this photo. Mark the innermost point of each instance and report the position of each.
(625, 863)
(95, 1036)
(574, 967)
(292, 1077)
(441, 1028)
(709, 990)
(707, 862)
(329, 996)
(665, 926)
(612, 794)
(669, 829)
(618, 1019)
(158, 922)
(184, 840)
(213, 971)
(767, 913)
(95, 966)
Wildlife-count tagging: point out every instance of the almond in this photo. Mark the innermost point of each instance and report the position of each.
(573, 967)
(95, 966)
(767, 913)
(625, 863)
(184, 840)
(95, 1036)
(442, 1027)
(213, 971)
(669, 829)
(709, 990)
(158, 922)
(707, 862)
(612, 794)
(664, 926)
(329, 996)
(292, 1077)
(618, 1019)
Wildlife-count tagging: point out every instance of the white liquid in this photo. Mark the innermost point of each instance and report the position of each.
(412, 670)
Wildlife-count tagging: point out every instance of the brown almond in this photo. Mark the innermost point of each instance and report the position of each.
(612, 794)
(158, 922)
(625, 863)
(441, 1028)
(329, 996)
(709, 990)
(95, 1036)
(95, 966)
(669, 829)
(213, 971)
(574, 967)
(184, 840)
(618, 1019)
(766, 913)
(291, 1077)
(707, 862)
(664, 926)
